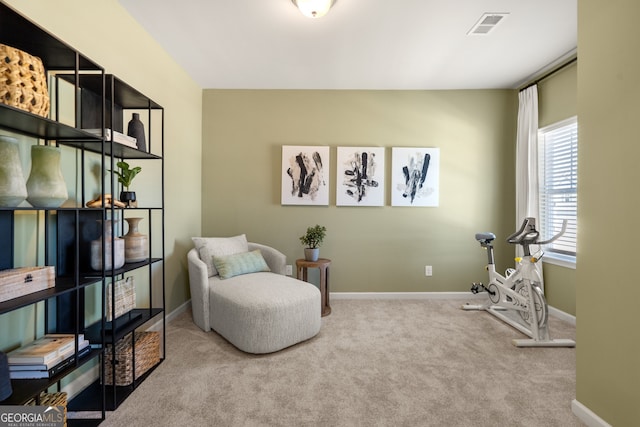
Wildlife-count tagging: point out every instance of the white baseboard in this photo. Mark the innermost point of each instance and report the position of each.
(434, 295)
(559, 314)
(157, 326)
(181, 309)
(587, 416)
(404, 295)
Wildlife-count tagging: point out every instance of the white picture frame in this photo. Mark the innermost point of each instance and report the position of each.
(415, 177)
(305, 175)
(360, 176)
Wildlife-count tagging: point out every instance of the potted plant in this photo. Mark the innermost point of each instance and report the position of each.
(125, 177)
(312, 240)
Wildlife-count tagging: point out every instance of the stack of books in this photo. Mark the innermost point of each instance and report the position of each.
(46, 356)
(118, 137)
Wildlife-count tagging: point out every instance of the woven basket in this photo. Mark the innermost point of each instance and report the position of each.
(23, 81)
(125, 298)
(51, 399)
(147, 346)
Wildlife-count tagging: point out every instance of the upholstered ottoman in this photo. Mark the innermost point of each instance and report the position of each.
(258, 312)
(264, 312)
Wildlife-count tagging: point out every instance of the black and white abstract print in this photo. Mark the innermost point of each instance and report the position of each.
(304, 175)
(360, 176)
(415, 176)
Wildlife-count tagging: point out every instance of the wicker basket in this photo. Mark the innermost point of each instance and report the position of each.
(17, 282)
(147, 346)
(51, 399)
(125, 298)
(23, 81)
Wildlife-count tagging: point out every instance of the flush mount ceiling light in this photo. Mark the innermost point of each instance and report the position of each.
(314, 8)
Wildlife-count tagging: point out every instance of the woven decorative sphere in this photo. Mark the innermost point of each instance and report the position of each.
(23, 81)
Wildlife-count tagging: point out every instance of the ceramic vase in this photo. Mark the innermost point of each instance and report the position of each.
(13, 189)
(136, 130)
(129, 199)
(46, 187)
(136, 244)
(5, 378)
(311, 254)
(109, 241)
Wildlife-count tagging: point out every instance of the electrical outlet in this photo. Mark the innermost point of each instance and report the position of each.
(289, 270)
(428, 270)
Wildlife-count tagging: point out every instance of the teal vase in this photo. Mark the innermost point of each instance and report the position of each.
(46, 187)
(13, 189)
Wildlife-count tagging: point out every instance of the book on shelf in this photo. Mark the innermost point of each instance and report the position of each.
(83, 348)
(118, 137)
(44, 350)
(45, 371)
(49, 350)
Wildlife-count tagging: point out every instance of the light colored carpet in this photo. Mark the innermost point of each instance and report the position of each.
(374, 363)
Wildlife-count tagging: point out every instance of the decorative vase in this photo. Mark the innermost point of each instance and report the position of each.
(109, 240)
(129, 199)
(5, 378)
(13, 189)
(311, 254)
(46, 187)
(136, 244)
(136, 130)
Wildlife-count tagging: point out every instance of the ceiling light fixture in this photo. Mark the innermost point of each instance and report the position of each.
(314, 8)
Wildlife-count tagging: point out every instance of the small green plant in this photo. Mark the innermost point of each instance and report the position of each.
(314, 236)
(126, 174)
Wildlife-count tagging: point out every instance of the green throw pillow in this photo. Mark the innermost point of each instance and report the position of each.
(237, 264)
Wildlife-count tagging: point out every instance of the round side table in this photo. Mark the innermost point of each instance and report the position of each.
(302, 265)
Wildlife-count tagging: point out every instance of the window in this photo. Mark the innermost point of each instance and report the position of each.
(558, 178)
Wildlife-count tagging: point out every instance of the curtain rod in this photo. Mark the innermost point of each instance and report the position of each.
(550, 73)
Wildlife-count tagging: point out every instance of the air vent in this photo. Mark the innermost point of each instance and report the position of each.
(486, 23)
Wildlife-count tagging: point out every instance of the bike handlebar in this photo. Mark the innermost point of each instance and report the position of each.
(517, 236)
(557, 236)
(528, 235)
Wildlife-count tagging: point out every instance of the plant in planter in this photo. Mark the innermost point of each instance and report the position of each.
(312, 240)
(125, 177)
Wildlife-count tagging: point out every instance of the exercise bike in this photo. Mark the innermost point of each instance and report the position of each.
(519, 291)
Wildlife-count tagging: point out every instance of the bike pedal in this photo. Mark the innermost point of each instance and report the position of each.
(477, 288)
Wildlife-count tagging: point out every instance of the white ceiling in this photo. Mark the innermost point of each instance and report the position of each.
(360, 44)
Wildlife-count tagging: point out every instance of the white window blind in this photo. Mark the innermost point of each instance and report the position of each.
(558, 177)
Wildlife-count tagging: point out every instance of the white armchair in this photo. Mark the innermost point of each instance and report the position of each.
(258, 312)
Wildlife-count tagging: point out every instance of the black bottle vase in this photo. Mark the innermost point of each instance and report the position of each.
(5, 379)
(136, 130)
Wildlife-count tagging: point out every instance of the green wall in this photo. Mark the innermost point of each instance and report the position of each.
(106, 33)
(373, 249)
(475, 131)
(558, 96)
(557, 100)
(608, 324)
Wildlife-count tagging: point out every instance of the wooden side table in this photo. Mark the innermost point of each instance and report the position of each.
(302, 265)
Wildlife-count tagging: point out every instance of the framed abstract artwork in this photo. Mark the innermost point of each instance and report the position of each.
(415, 176)
(305, 175)
(360, 176)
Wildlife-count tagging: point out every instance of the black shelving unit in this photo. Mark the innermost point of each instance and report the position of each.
(101, 101)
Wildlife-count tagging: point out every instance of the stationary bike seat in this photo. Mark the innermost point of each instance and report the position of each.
(485, 237)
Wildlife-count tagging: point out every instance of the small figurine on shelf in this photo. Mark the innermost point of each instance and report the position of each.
(125, 177)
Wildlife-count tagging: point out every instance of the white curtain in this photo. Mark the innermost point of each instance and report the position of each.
(527, 161)
(527, 155)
